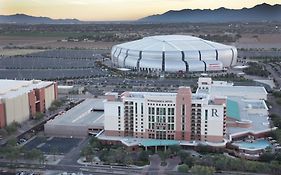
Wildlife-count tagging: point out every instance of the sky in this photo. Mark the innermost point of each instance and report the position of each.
(111, 10)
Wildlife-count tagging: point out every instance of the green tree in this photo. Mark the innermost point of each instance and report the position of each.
(34, 154)
(12, 127)
(267, 157)
(202, 170)
(144, 156)
(13, 153)
(183, 168)
(175, 149)
(39, 115)
(186, 158)
(12, 142)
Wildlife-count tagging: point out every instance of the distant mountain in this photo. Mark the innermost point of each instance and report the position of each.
(26, 19)
(262, 12)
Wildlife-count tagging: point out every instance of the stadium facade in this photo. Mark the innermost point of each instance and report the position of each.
(173, 53)
(21, 100)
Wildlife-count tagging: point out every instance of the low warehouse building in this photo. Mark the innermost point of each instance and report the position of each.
(84, 119)
(20, 100)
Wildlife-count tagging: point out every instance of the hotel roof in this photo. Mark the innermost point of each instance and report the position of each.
(236, 89)
(251, 111)
(144, 94)
(248, 92)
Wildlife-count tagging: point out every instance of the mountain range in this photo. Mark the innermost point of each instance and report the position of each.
(26, 19)
(259, 13)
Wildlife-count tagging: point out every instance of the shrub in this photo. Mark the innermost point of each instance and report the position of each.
(183, 168)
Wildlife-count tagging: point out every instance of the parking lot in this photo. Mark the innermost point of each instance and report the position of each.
(53, 145)
(52, 65)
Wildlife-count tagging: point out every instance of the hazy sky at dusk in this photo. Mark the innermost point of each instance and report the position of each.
(114, 9)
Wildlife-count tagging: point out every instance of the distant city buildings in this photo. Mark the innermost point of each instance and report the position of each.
(20, 100)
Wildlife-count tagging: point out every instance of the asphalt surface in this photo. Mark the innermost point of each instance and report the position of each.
(71, 157)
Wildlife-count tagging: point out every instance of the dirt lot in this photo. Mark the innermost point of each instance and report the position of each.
(266, 41)
(104, 36)
(14, 52)
(50, 43)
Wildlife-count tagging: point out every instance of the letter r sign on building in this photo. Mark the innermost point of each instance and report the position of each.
(215, 113)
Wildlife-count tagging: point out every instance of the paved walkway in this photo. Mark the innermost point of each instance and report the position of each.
(155, 167)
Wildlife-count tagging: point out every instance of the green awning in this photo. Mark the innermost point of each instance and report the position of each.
(157, 142)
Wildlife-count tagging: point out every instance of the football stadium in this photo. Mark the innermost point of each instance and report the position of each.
(173, 53)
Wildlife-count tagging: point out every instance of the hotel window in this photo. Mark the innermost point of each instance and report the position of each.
(183, 110)
(141, 108)
(136, 108)
(182, 135)
(157, 111)
(162, 111)
(119, 111)
(206, 114)
(149, 110)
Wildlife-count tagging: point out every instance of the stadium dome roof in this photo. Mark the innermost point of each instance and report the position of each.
(172, 43)
(173, 53)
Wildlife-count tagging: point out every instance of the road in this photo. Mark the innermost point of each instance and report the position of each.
(274, 74)
(77, 168)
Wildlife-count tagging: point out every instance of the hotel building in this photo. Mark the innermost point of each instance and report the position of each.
(167, 116)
